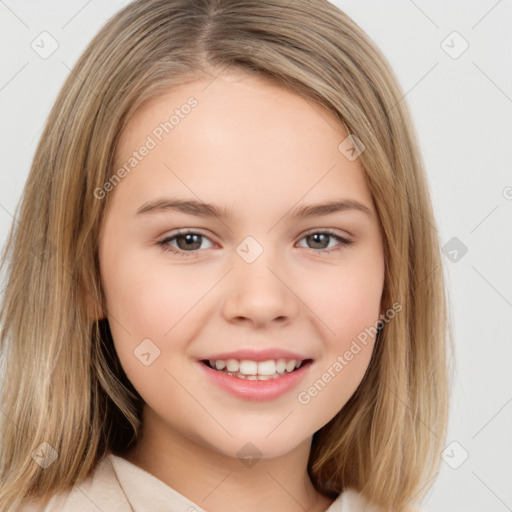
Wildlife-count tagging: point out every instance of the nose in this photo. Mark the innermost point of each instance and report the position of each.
(260, 293)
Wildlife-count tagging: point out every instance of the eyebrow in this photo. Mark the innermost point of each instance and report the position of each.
(201, 209)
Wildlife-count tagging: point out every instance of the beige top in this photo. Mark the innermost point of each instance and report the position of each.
(117, 485)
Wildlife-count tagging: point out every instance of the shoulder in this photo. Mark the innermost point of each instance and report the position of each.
(56, 504)
(100, 491)
(351, 500)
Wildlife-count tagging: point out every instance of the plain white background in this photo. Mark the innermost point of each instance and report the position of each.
(461, 101)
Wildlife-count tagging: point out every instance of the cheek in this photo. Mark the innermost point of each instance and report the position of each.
(347, 311)
(348, 316)
(149, 299)
(327, 392)
(147, 307)
(346, 300)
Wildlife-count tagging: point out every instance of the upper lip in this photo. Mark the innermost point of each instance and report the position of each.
(256, 355)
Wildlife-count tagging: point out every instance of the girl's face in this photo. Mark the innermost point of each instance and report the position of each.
(258, 276)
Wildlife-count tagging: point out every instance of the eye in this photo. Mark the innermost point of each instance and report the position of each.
(320, 240)
(189, 242)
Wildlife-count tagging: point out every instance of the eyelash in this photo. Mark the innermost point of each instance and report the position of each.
(164, 244)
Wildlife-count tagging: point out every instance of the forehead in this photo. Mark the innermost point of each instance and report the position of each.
(239, 136)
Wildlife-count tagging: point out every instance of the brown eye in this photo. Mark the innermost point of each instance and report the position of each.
(191, 241)
(187, 243)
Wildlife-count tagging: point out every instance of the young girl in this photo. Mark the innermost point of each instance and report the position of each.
(224, 288)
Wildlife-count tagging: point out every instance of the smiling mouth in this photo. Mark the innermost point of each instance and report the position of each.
(254, 374)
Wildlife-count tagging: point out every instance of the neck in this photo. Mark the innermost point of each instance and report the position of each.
(215, 481)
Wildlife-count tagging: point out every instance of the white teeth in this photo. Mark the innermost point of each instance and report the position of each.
(267, 367)
(249, 367)
(232, 365)
(253, 370)
(280, 365)
(290, 365)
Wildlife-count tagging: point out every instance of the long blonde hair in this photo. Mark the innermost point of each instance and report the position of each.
(63, 387)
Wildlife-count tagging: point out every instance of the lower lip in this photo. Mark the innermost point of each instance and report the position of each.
(259, 390)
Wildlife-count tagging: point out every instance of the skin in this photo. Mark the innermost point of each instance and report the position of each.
(260, 150)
